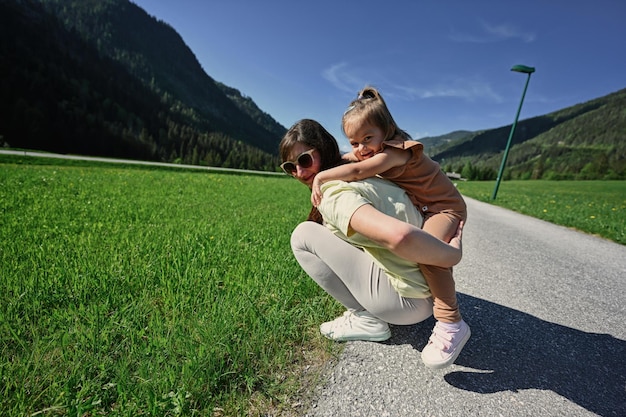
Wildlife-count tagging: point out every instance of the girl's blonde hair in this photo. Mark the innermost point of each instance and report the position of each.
(369, 107)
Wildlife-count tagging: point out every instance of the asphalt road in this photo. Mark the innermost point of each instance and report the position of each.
(546, 306)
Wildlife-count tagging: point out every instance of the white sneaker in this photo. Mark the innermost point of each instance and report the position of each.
(356, 325)
(445, 344)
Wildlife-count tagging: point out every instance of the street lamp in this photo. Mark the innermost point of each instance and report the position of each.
(526, 70)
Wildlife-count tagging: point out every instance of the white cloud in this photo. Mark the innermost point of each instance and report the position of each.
(461, 88)
(493, 33)
(339, 76)
(505, 31)
(344, 78)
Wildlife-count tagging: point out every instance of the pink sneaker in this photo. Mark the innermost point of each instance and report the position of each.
(445, 344)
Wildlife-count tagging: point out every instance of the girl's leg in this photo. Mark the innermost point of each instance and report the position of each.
(440, 280)
(451, 332)
(351, 277)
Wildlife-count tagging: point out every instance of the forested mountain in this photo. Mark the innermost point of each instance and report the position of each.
(102, 77)
(585, 141)
(443, 141)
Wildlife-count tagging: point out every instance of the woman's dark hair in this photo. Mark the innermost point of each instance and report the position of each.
(312, 134)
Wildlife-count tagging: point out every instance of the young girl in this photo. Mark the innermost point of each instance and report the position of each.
(381, 148)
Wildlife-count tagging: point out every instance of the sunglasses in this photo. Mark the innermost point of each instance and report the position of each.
(305, 160)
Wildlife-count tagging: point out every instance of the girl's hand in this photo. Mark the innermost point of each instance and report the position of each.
(349, 157)
(316, 192)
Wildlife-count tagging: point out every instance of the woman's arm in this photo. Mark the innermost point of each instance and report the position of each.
(381, 162)
(405, 240)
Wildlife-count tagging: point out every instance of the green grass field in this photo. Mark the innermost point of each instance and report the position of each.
(132, 291)
(594, 207)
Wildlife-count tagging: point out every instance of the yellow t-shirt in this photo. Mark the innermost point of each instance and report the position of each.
(341, 199)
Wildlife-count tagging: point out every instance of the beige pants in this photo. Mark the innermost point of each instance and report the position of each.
(351, 277)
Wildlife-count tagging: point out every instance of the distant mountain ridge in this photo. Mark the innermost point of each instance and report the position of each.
(443, 141)
(584, 141)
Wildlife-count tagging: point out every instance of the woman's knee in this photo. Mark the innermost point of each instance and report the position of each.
(300, 237)
(411, 312)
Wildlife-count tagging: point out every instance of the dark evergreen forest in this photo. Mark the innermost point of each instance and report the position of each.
(62, 93)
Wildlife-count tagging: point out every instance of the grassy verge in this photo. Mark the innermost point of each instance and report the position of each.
(595, 207)
(129, 291)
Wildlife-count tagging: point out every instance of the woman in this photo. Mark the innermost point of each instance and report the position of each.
(382, 283)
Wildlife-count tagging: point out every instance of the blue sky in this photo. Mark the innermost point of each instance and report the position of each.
(440, 65)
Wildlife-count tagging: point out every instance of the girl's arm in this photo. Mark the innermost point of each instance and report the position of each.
(405, 240)
(381, 162)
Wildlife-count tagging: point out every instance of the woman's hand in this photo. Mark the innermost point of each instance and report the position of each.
(455, 242)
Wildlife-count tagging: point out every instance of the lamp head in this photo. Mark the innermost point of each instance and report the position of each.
(523, 68)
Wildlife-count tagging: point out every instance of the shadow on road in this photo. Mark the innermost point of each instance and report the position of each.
(511, 350)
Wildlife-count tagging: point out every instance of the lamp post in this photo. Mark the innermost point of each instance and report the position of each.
(526, 70)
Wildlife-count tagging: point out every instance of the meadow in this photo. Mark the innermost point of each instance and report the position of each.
(132, 291)
(594, 207)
